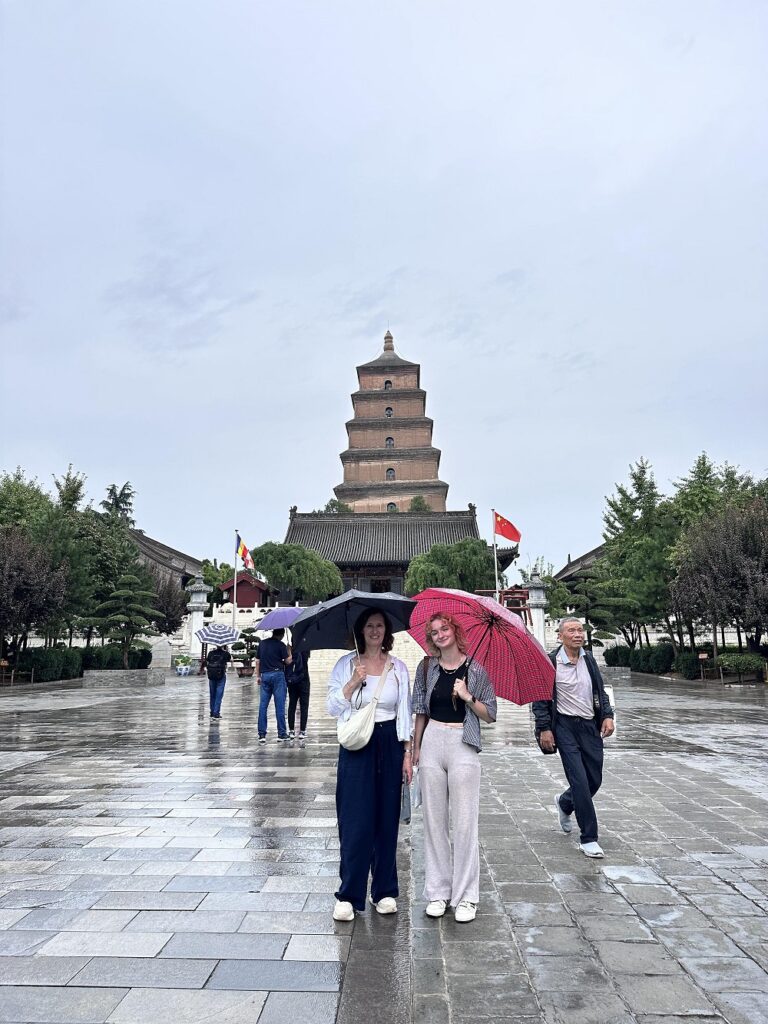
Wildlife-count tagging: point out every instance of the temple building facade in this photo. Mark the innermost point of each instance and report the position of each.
(390, 458)
(390, 461)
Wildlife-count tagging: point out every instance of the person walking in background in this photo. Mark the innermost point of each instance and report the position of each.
(369, 780)
(297, 677)
(451, 696)
(274, 658)
(575, 722)
(216, 666)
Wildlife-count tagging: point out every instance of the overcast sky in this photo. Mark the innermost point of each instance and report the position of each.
(212, 211)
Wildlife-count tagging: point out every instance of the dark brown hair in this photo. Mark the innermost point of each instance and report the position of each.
(362, 618)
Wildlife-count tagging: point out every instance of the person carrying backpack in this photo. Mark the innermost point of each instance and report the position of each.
(216, 666)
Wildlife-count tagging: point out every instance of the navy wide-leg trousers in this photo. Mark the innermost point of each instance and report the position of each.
(368, 784)
(581, 750)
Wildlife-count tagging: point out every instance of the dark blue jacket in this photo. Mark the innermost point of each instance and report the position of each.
(545, 711)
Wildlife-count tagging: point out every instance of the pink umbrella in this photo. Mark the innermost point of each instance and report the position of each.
(517, 664)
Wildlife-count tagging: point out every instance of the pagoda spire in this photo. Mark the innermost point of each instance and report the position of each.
(389, 342)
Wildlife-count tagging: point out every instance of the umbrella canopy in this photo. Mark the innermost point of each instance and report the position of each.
(328, 625)
(517, 664)
(217, 634)
(280, 618)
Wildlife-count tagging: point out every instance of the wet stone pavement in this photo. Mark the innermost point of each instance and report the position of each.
(154, 865)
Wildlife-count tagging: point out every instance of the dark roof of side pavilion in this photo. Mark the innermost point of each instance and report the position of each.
(573, 566)
(165, 557)
(383, 538)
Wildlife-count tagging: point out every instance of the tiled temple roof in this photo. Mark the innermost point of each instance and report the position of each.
(378, 537)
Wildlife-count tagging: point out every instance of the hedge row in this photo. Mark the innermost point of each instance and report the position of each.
(654, 660)
(52, 663)
(110, 656)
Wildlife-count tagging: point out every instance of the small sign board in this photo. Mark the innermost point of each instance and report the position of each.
(703, 657)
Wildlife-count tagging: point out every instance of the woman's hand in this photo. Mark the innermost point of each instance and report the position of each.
(460, 690)
(416, 752)
(407, 766)
(359, 674)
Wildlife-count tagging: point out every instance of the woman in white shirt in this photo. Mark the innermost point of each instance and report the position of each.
(368, 781)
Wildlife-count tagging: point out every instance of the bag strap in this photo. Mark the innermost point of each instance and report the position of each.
(382, 680)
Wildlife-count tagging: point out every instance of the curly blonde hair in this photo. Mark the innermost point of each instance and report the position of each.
(461, 639)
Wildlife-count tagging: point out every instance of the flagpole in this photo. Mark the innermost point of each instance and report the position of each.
(234, 595)
(495, 559)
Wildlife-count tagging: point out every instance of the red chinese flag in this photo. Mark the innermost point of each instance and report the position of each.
(506, 529)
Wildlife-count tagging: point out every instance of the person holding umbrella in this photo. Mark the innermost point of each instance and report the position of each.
(451, 696)
(369, 780)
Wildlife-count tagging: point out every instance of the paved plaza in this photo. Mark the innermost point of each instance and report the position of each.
(156, 866)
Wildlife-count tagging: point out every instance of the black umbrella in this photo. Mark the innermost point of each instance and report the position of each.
(328, 625)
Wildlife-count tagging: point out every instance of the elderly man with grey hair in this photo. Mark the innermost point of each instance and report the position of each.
(575, 723)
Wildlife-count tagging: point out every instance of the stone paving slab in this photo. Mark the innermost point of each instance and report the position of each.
(154, 866)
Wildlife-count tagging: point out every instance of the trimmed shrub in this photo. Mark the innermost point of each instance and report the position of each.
(743, 664)
(662, 658)
(640, 660)
(47, 664)
(687, 664)
(88, 655)
(618, 656)
(72, 663)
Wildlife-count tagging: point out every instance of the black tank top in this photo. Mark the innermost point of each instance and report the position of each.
(440, 703)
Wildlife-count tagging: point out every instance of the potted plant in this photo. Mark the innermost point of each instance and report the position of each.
(183, 664)
(250, 644)
(241, 656)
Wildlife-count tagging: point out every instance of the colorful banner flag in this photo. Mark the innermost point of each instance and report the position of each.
(244, 553)
(506, 529)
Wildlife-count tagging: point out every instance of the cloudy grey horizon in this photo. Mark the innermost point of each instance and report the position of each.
(211, 213)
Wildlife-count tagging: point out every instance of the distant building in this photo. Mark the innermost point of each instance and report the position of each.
(390, 460)
(252, 592)
(166, 559)
(574, 566)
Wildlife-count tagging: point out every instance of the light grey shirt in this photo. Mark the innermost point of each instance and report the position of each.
(573, 685)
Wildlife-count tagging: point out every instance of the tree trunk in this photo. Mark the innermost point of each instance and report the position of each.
(647, 641)
(714, 639)
(691, 635)
(671, 631)
(722, 637)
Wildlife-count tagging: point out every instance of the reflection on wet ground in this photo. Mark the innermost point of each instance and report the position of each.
(154, 863)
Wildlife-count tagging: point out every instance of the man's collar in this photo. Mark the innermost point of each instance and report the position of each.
(563, 658)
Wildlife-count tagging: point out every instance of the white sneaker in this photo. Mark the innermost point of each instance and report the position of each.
(388, 905)
(591, 849)
(436, 908)
(465, 912)
(291, 734)
(343, 911)
(566, 822)
(262, 740)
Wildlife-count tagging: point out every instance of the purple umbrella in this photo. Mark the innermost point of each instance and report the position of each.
(279, 618)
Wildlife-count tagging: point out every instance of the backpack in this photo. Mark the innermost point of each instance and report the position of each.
(216, 664)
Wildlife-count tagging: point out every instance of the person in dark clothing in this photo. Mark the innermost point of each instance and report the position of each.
(274, 658)
(216, 666)
(297, 676)
(575, 723)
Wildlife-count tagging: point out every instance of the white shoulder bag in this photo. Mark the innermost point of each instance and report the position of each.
(358, 728)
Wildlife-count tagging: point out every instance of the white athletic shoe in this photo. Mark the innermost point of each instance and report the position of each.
(465, 912)
(343, 911)
(388, 905)
(436, 908)
(566, 820)
(591, 849)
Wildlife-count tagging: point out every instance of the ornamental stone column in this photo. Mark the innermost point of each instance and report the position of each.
(198, 605)
(537, 603)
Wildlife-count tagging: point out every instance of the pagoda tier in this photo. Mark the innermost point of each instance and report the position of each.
(390, 459)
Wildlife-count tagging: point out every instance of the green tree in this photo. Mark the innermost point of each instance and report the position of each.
(419, 504)
(292, 567)
(128, 613)
(23, 502)
(467, 565)
(214, 575)
(119, 503)
(336, 507)
(71, 490)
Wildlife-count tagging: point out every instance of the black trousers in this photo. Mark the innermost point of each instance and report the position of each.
(298, 694)
(368, 785)
(581, 751)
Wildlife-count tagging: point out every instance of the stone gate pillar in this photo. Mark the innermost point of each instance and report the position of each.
(198, 605)
(537, 603)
